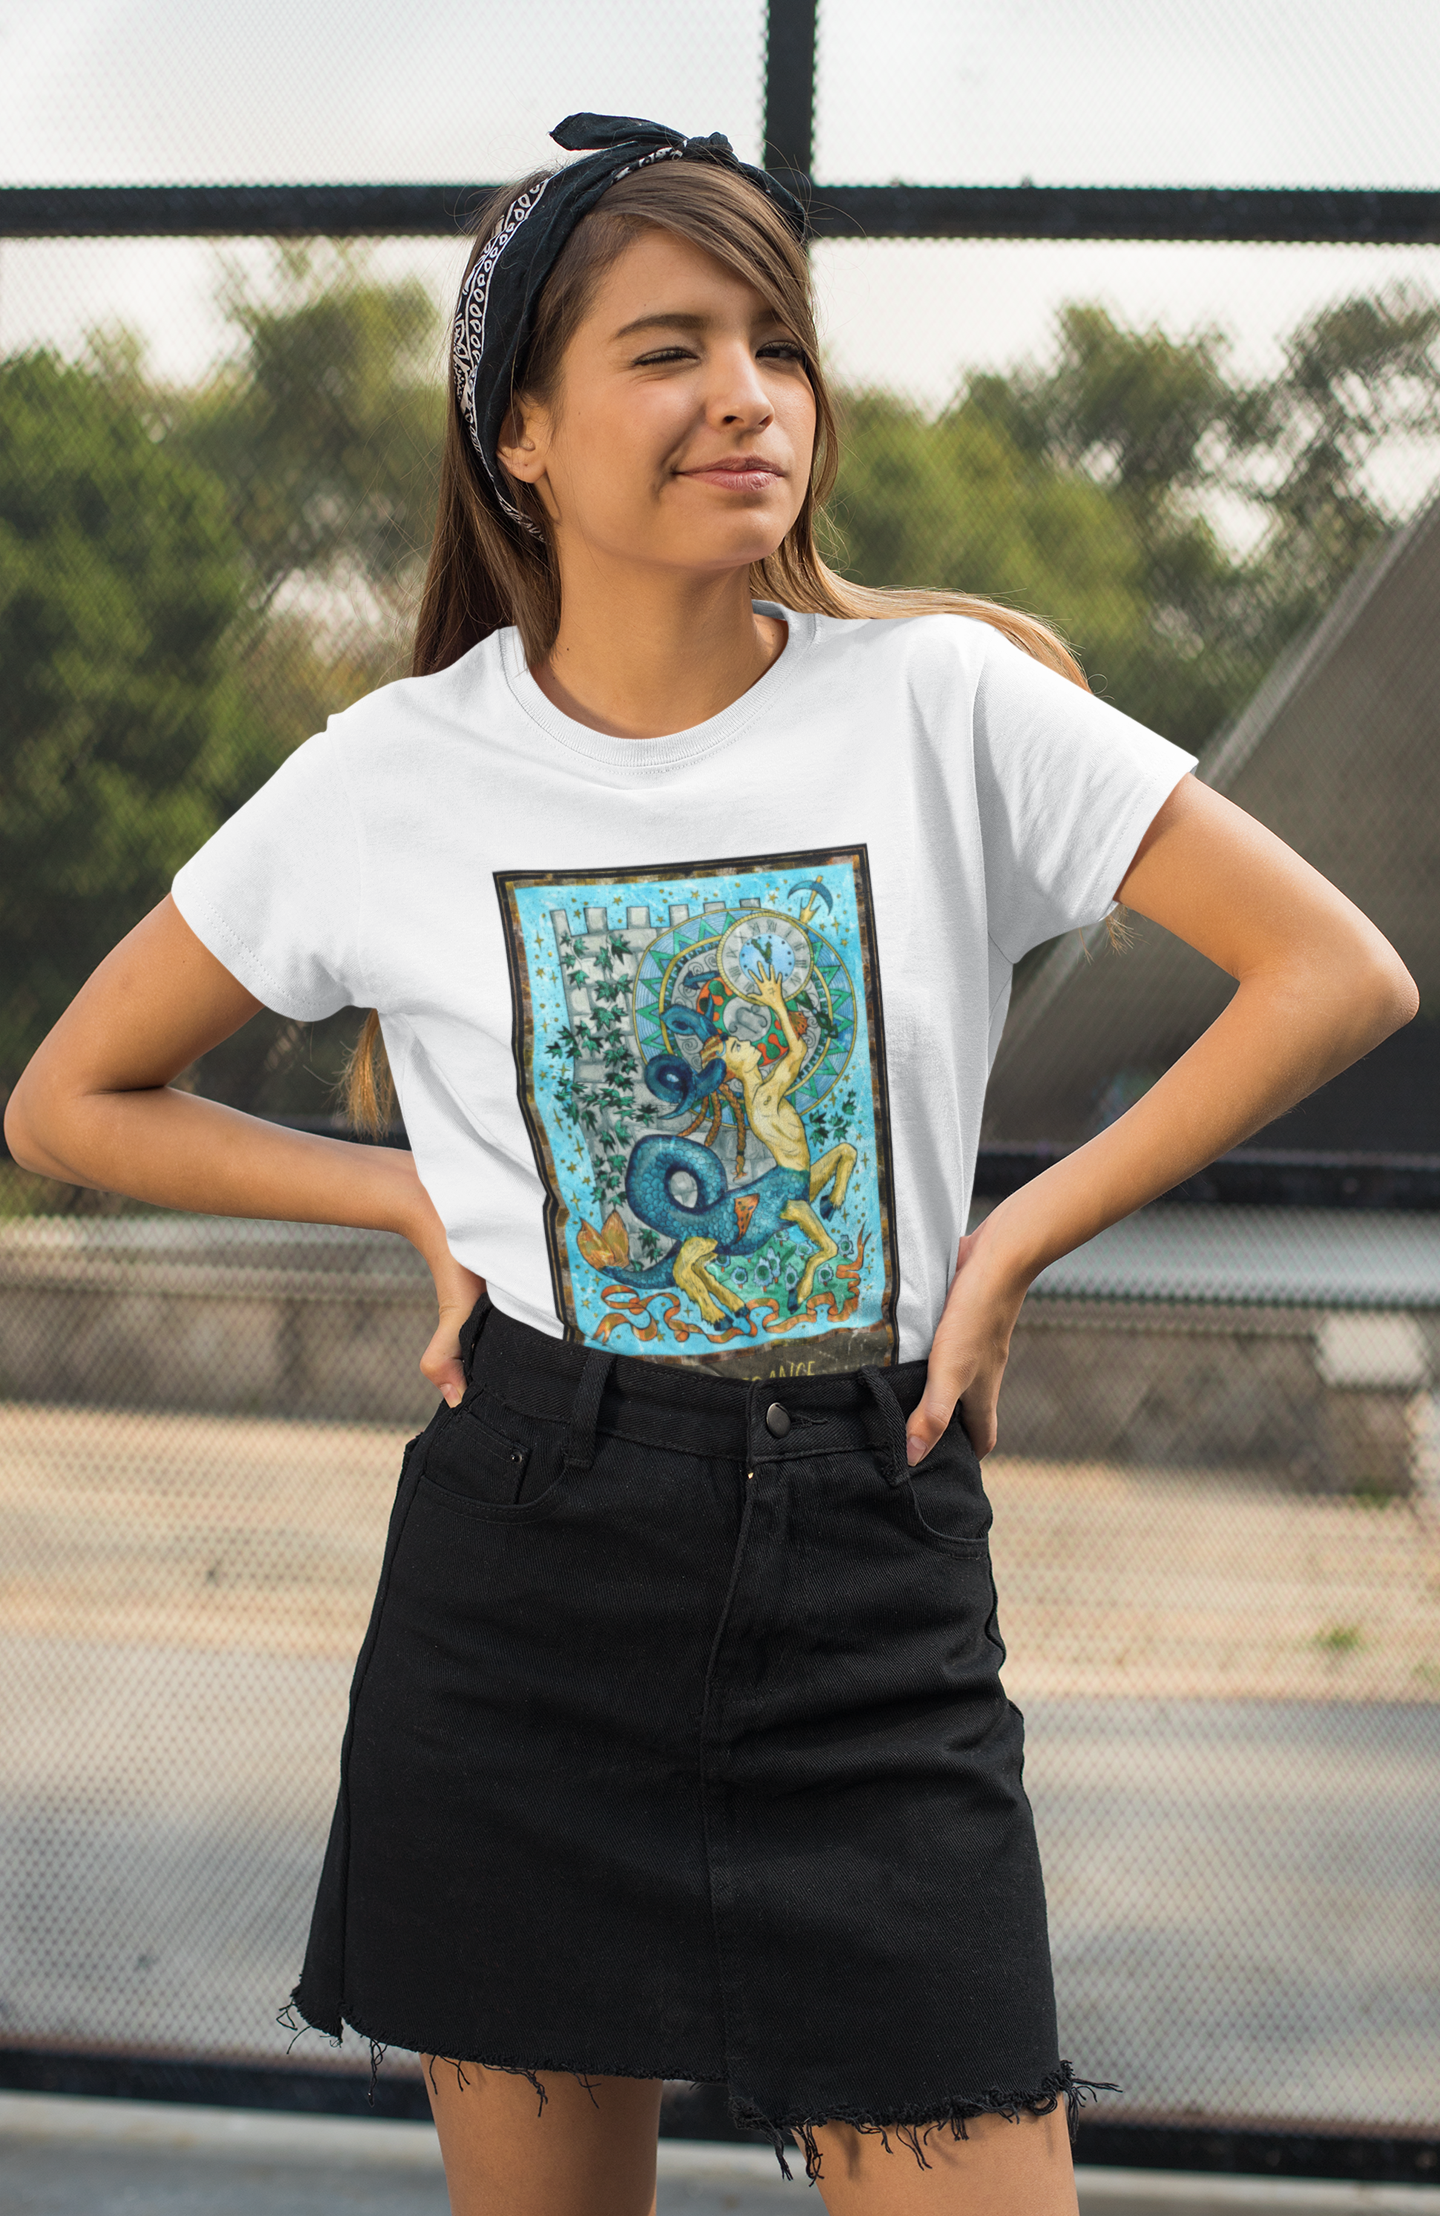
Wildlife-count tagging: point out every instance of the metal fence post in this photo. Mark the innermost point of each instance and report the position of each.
(790, 89)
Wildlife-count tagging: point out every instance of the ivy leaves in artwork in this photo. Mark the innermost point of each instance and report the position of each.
(604, 1106)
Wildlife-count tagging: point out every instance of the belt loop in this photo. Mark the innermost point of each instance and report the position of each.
(882, 1392)
(470, 1332)
(754, 1420)
(585, 1409)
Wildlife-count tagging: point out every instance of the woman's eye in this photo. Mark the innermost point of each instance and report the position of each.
(778, 350)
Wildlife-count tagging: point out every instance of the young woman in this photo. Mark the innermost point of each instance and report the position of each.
(687, 880)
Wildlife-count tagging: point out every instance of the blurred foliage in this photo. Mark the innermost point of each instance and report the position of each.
(1088, 492)
(190, 581)
(125, 731)
(192, 578)
(326, 431)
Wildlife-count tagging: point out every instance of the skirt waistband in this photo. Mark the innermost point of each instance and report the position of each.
(757, 1419)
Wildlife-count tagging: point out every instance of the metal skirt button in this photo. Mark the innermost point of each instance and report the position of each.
(777, 1420)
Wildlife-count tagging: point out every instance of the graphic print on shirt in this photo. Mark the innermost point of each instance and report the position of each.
(701, 1060)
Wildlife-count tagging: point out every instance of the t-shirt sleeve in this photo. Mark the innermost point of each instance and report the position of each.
(1067, 787)
(275, 894)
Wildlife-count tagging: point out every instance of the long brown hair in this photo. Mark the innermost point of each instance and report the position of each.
(484, 573)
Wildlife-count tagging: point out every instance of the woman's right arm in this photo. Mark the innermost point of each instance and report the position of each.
(97, 1107)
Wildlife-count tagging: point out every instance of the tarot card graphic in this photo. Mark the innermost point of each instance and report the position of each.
(701, 1062)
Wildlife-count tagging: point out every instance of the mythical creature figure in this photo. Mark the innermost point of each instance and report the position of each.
(723, 1219)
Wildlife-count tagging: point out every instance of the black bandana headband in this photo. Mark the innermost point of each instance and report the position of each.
(496, 311)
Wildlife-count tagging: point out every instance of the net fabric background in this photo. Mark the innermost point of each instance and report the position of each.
(1218, 1490)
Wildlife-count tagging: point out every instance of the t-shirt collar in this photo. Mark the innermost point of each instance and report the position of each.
(642, 757)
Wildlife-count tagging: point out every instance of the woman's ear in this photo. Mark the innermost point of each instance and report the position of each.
(524, 441)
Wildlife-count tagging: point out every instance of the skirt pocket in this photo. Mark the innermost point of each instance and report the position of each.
(945, 1496)
(490, 1462)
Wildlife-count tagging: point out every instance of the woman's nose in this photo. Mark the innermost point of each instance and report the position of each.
(739, 395)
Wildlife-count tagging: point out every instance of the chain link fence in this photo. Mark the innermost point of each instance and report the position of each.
(1218, 1488)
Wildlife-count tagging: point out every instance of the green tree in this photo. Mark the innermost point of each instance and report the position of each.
(325, 427)
(1086, 491)
(124, 731)
(1361, 375)
(191, 580)
(961, 502)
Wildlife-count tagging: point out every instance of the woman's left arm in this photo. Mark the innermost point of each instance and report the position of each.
(1317, 987)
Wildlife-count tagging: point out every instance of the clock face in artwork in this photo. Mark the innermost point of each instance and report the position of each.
(762, 944)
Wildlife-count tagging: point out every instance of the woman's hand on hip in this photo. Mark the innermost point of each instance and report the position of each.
(970, 1348)
(456, 1292)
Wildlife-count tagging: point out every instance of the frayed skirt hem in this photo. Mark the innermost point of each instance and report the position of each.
(912, 2127)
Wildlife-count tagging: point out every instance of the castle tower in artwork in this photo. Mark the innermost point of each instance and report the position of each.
(598, 956)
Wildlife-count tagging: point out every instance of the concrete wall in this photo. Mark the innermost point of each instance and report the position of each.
(227, 1354)
(239, 1319)
(1255, 1389)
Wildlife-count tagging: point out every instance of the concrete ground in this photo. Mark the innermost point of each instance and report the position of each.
(61, 2157)
(259, 1536)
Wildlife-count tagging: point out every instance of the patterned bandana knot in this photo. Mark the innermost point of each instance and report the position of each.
(495, 316)
(587, 133)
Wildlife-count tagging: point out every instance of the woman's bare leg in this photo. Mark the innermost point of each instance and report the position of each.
(1001, 2169)
(582, 2154)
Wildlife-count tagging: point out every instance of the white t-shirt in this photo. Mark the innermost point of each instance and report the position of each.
(691, 1035)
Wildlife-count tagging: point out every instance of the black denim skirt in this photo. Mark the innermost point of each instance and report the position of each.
(677, 1749)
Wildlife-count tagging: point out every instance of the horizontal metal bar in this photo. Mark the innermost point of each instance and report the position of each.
(702, 2112)
(1213, 213)
(1259, 214)
(1256, 1177)
(237, 211)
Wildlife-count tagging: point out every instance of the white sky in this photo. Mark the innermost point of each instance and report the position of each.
(1080, 91)
(172, 91)
(1120, 92)
(964, 91)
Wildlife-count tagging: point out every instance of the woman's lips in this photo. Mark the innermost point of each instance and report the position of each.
(738, 473)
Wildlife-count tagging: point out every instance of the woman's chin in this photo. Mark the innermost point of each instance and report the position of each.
(719, 551)
(706, 546)
(747, 526)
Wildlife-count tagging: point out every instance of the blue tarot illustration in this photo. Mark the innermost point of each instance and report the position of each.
(701, 1057)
